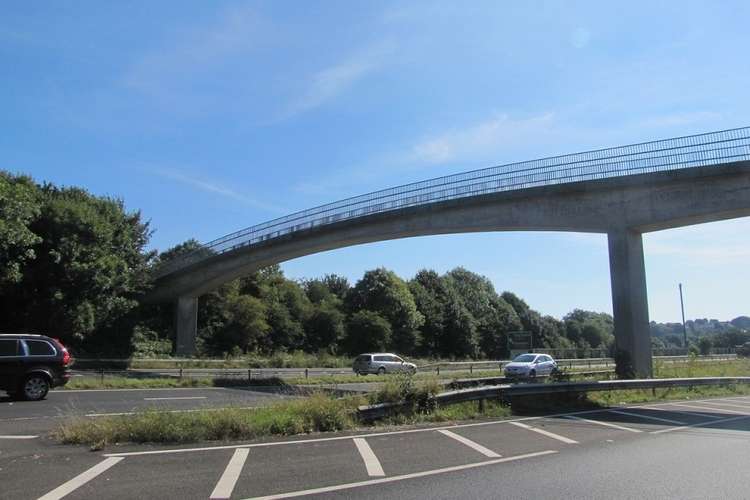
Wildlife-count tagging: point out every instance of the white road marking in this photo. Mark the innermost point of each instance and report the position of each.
(545, 433)
(176, 397)
(648, 417)
(193, 410)
(606, 424)
(702, 424)
(80, 479)
(339, 487)
(471, 444)
(64, 391)
(338, 438)
(733, 405)
(231, 474)
(718, 410)
(657, 406)
(372, 464)
(679, 412)
(18, 437)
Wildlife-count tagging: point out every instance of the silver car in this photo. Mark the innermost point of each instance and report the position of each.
(530, 365)
(380, 363)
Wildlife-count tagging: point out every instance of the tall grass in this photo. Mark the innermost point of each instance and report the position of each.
(317, 413)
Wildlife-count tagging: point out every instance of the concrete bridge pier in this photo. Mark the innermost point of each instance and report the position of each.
(630, 302)
(186, 325)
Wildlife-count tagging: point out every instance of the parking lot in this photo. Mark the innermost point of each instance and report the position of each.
(342, 463)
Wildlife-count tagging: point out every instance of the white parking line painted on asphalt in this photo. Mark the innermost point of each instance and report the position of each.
(702, 424)
(471, 444)
(372, 464)
(445, 470)
(18, 437)
(154, 389)
(657, 406)
(176, 397)
(605, 424)
(678, 412)
(231, 474)
(709, 408)
(648, 417)
(337, 438)
(733, 405)
(81, 479)
(545, 433)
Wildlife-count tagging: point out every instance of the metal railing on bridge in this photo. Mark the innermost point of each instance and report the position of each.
(701, 150)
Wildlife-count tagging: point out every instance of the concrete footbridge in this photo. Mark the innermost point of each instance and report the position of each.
(622, 192)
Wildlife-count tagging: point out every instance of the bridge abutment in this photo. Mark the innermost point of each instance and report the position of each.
(630, 302)
(186, 325)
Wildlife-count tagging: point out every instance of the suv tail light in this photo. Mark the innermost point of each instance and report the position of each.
(66, 354)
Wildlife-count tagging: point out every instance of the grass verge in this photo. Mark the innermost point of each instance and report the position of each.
(322, 413)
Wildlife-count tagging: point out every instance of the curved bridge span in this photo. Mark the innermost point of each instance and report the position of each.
(622, 192)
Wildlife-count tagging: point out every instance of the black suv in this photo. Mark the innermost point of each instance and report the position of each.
(31, 364)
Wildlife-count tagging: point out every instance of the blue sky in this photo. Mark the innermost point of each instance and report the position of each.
(213, 116)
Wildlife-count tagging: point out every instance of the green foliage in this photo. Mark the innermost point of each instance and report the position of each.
(382, 292)
(83, 264)
(367, 331)
(704, 345)
(318, 413)
(19, 206)
(147, 344)
(590, 329)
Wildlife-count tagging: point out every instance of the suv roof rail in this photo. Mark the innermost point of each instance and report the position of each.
(21, 335)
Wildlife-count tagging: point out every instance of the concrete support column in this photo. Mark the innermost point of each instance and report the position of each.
(630, 302)
(186, 325)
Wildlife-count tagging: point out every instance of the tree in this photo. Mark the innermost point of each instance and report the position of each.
(89, 269)
(19, 207)
(704, 346)
(246, 322)
(338, 285)
(367, 331)
(430, 293)
(587, 328)
(324, 328)
(383, 292)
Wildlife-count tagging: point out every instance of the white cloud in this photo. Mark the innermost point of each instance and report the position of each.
(213, 187)
(197, 51)
(481, 139)
(330, 82)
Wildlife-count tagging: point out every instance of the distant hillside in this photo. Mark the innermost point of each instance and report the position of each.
(722, 333)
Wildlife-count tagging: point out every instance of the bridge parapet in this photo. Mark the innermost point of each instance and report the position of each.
(713, 148)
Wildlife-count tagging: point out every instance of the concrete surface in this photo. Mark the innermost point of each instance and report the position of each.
(692, 449)
(622, 207)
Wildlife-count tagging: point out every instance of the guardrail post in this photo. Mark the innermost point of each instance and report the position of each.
(437, 368)
(306, 373)
(101, 375)
(180, 373)
(471, 369)
(481, 406)
(249, 375)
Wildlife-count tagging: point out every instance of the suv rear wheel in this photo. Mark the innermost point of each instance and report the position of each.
(34, 388)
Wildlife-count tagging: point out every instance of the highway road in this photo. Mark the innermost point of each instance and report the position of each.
(64, 403)
(689, 449)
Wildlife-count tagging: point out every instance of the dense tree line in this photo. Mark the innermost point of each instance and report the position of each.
(71, 264)
(75, 266)
(455, 315)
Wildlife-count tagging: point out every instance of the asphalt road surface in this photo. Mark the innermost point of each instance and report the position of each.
(65, 403)
(695, 449)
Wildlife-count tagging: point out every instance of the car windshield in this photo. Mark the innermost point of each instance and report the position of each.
(524, 358)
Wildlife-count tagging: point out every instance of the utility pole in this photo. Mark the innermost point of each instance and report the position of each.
(684, 329)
